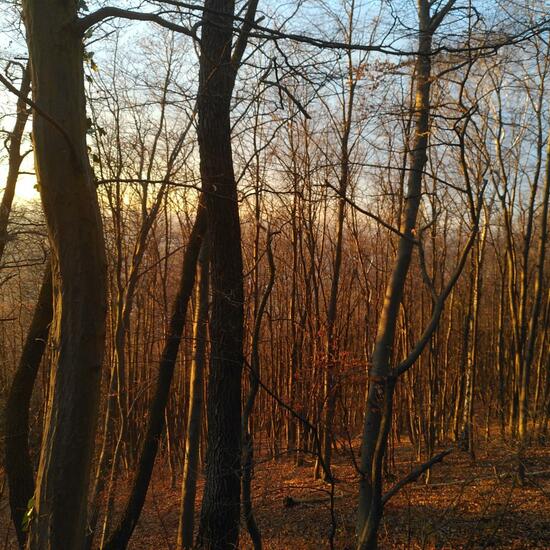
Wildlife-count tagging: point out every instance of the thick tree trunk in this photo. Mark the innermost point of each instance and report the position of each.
(79, 276)
(219, 528)
(18, 464)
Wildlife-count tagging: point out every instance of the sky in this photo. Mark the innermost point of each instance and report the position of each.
(25, 189)
(13, 42)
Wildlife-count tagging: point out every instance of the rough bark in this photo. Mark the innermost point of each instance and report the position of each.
(79, 275)
(220, 512)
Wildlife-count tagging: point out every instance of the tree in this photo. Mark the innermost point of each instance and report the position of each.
(156, 417)
(219, 62)
(19, 467)
(194, 415)
(372, 168)
(382, 376)
(74, 226)
(14, 156)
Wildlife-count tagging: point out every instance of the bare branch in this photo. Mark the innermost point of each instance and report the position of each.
(101, 14)
(40, 112)
(440, 15)
(414, 475)
(369, 214)
(437, 310)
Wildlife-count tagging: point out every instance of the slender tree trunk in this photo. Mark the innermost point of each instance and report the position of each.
(500, 356)
(122, 533)
(533, 327)
(19, 468)
(472, 346)
(118, 392)
(332, 345)
(14, 158)
(382, 379)
(194, 418)
(254, 377)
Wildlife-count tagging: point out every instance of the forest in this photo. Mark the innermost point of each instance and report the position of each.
(274, 276)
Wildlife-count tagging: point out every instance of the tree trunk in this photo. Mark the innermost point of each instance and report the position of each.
(79, 275)
(382, 379)
(19, 468)
(14, 158)
(122, 533)
(194, 419)
(254, 378)
(533, 325)
(332, 346)
(220, 512)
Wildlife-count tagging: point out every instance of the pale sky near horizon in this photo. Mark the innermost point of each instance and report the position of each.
(25, 188)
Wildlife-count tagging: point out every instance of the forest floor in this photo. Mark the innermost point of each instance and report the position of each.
(466, 505)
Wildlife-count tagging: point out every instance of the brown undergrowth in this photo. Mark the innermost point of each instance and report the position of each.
(466, 505)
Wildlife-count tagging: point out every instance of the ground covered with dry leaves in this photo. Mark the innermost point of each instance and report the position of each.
(466, 504)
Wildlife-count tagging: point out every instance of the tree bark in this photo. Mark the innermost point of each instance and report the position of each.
(382, 377)
(220, 512)
(79, 273)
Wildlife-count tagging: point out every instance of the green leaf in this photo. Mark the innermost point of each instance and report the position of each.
(29, 514)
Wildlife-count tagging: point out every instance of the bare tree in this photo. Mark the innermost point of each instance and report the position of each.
(219, 62)
(383, 377)
(15, 157)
